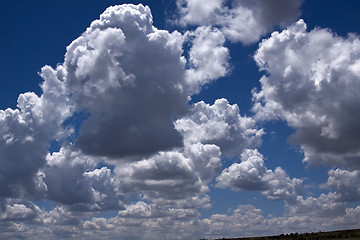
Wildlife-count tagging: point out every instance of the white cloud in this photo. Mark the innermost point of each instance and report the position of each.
(197, 11)
(208, 58)
(311, 85)
(169, 223)
(346, 184)
(324, 206)
(244, 21)
(17, 210)
(245, 220)
(220, 124)
(143, 210)
(251, 174)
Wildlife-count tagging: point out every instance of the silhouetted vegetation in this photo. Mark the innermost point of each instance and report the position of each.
(342, 235)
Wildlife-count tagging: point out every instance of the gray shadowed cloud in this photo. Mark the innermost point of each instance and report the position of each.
(26, 133)
(133, 80)
(174, 176)
(70, 179)
(313, 84)
(345, 183)
(129, 76)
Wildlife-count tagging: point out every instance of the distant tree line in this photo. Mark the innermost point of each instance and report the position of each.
(343, 234)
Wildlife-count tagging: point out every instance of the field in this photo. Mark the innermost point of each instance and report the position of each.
(343, 234)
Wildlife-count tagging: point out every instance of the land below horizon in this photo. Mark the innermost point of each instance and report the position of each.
(351, 234)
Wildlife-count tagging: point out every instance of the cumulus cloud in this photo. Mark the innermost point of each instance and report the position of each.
(147, 153)
(220, 124)
(26, 133)
(70, 178)
(311, 83)
(144, 210)
(140, 74)
(17, 210)
(345, 183)
(251, 174)
(180, 177)
(244, 20)
(137, 71)
(250, 221)
(326, 205)
(175, 178)
(245, 220)
(208, 58)
(168, 223)
(132, 81)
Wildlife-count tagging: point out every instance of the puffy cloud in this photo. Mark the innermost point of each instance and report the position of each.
(169, 223)
(17, 210)
(137, 71)
(208, 58)
(175, 178)
(246, 220)
(346, 183)
(220, 124)
(26, 133)
(71, 178)
(325, 206)
(311, 84)
(252, 174)
(132, 82)
(144, 210)
(244, 20)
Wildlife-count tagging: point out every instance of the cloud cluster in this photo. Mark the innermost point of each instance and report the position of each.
(312, 83)
(131, 141)
(172, 176)
(245, 220)
(114, 100)
(244, 21)
(70, 178)
(251, 174)
(326, 206)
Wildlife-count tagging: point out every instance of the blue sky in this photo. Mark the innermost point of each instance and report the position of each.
(181, 119)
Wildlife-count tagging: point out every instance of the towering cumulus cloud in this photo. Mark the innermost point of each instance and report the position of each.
(312, 83)
(137, 72)
(26, 133)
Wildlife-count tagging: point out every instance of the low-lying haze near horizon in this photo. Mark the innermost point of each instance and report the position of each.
(179, 119)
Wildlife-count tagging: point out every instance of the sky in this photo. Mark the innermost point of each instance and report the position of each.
(178, 119)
